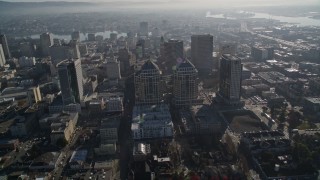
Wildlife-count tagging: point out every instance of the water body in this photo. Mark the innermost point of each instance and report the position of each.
(302, 21)
(83, 36)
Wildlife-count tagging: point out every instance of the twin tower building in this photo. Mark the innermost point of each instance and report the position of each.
(150, 83)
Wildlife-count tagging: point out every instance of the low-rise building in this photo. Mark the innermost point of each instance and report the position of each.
(311, 105)
(109, 130)
(151, 121)
(63, 127)
(141, 151)
(48, 161)
(200, 120)
(26, 61)
(114, 104)
(78, 159)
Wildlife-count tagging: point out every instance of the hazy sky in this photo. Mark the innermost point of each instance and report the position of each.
(204, 2)
(211, 1)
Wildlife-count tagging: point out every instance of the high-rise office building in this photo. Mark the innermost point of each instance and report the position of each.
(70, 77)
(262, 53)
(46, 40)
(27, 49)
(64, 51)
(91, 37)
(185, 87)
(147, 83)
(144, 29)
(2, 57)
(230, 79)
(4, 42)
(124, 59)
(75, 36)
(113, 67)
(201, 52)
(171, 53)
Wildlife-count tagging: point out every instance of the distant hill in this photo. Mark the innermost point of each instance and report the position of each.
(6, 4)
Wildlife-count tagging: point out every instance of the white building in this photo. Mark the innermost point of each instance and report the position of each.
(26, 61)
(151, 121)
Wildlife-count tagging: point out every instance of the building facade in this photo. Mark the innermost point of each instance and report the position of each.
(147, 82)
(2, 57)
(151, 122)
(4, 43)
(46, 40)
(70, 77)
(201, 52)
(230, 79)
(171, 52)
(185, 86)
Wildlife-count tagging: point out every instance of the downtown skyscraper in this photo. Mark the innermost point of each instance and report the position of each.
(201, 52)
(5, 47)
(230, 80)
(185, 86)
(70, 77)
(147, 83)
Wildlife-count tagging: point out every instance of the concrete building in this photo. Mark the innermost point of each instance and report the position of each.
(2, 57)
(83, 49)
(124, 59)
(75, 36)
(262, 53)
(4, 43)
(114, 104)
(185, 86)
(70, 77)
(91, 37)
(21, 127)
(311, 105)
(201, 119)
(109, 130)
(34, 95)
(113, 68)
(144, 29)
(141, 151)
(27, 49)
(78, 158)
(171, 53)
(151, 121)
(201, 52)
(46, 161)
(227, 48)
(63, 127)
(26, 61)
(65, 51)
(113, 37)
(230, 79)
(147, 84)
(46, 40)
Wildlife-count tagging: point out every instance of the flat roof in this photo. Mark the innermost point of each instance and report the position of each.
(243, 121)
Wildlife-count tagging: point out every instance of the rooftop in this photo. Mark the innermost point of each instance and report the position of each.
(243, 121)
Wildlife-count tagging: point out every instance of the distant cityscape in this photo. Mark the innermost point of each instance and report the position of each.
(173, 95)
